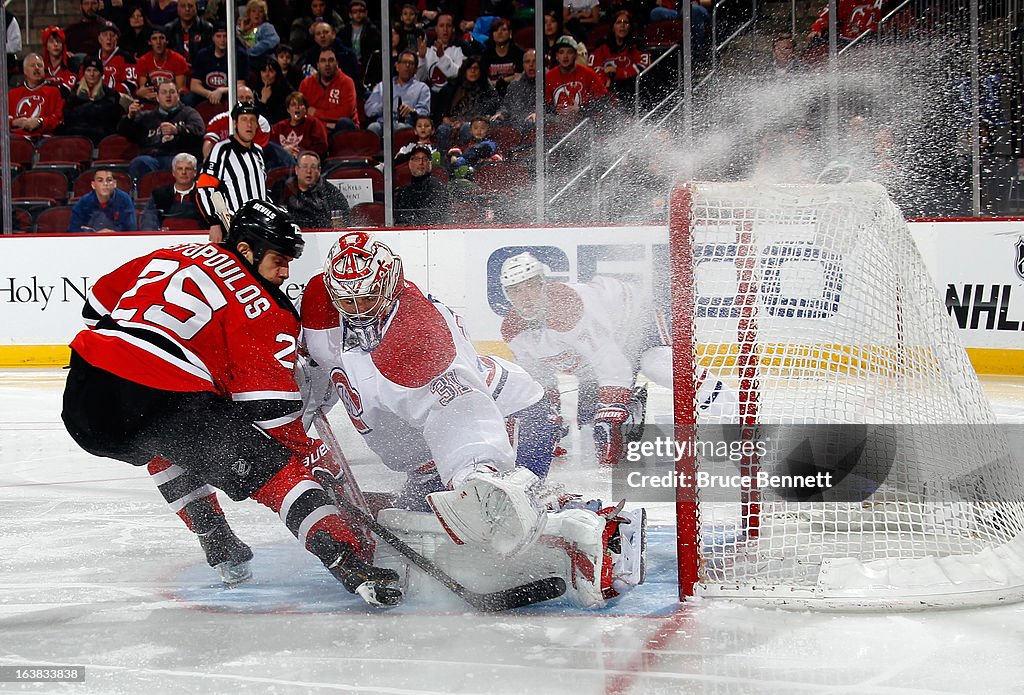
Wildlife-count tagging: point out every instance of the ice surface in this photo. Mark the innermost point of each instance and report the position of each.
(95, 571)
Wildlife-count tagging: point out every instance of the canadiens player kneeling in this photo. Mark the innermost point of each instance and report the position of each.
(424, 400)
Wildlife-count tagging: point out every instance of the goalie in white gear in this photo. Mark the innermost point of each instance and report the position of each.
(415, 388)
(602, 332)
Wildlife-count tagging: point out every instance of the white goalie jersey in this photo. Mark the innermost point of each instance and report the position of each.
(423, 393)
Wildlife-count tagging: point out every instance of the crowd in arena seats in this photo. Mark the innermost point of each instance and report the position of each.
(463, 84)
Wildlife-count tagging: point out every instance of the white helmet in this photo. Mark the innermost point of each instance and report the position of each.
(360, 268)
(520, 268)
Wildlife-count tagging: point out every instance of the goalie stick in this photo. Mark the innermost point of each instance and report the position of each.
(342, 493)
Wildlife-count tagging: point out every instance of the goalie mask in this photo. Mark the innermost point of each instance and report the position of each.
(522, 280)
(364, 280)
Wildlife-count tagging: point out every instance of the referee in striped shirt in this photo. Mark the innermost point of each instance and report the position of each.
(233, 173)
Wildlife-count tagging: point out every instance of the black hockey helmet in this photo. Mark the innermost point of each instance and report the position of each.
(265, 227)
(243, 107)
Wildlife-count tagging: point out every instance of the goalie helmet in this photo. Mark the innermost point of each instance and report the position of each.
(265, 227)
(364, 279)
(528, 299)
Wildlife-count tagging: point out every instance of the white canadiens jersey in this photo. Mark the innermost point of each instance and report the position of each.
(423, 393)
(590, 331)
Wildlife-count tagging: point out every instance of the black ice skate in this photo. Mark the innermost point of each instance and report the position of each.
(375, 585)
(225, 553)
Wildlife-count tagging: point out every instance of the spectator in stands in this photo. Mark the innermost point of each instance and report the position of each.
(259, 36)
(480, 148)
(210, 70)
(853, 18)
(784, 59)
(105, 210)
(324, 36)
(620, 58)
(425, 131)
(119, 70)
(552, 32)
(270, 89)
(311, 199)
(468, 96)
(299, 131)
(300, 34)
(331, 94)
(162, 133)
(286, 59)
(502, 59)
(55, 60)
(441, 62)
(409, 96)
(160, 12)
(175, 200)
(189, 34)
(409, 28)
(92, 109)
(580, 16)
(160, 65)
(360, 33)
(35, 108)
(135, 40)
(519, 108)
(573, 91)
(425, 200)
(83, 35)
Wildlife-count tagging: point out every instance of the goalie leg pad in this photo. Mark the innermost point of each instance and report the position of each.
(495, 510)
(627, 544)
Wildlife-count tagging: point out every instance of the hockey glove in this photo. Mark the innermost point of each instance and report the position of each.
(316, 388)
(608, 424)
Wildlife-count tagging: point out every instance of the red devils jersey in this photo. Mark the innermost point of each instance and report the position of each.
(61, 76)
(580, 88)
(153, 72)
(194, 317)
(628, 63)
(854, 18)
(43, 102)
(119, 72)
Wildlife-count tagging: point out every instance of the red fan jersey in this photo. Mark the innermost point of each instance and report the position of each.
(195, 317)
(155, 72)
(44, 101)
(580, 88)
(628, 63)
(854, 18)
(119, 72)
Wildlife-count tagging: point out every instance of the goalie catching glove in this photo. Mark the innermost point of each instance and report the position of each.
(495, 510)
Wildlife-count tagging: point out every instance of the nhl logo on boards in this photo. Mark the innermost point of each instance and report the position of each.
(1018, 263)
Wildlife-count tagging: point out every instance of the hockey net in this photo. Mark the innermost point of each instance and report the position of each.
(814, 304)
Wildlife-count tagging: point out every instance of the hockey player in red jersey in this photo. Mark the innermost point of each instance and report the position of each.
(602, 332)
(188, 367)
(416, 389)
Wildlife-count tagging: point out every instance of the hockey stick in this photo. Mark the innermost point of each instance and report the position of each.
(505, 599)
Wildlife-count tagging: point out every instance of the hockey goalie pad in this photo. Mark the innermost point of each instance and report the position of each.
(494, 510)
(600, 558)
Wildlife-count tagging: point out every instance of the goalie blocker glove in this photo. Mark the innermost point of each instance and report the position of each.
(375, 585)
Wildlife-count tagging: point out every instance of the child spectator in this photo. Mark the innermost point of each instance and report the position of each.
(469, 95)
(299, 132)
(409, 29)
(479, 148)
(105, 209)
(286, 59)
(424, 138)
(360, 34)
